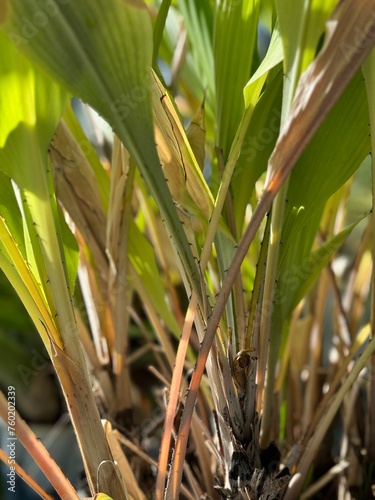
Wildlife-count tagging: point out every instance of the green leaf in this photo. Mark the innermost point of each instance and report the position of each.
(335, 153)
(198, 19)
(300, 277)
(26, 97)
(235, 21)
(36, 105)
(300, 38)
(105, 60)
(159, 28)
(10, 211)
(17, 271)
(259, 141)
(273, 57)
(142, 258)
(318, 13)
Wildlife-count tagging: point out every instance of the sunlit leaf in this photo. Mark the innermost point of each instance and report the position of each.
(273, 57)
(237, 21)
(198, 18)
(117, 87)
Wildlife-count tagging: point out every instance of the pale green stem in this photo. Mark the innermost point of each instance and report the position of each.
(177, 463)
(266, 313)
(268, 351)
(70, 364)
(369, 73)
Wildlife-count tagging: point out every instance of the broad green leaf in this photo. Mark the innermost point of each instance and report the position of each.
(259, 141)
(235, 22)
(292, 31)
(198, 19)
(105, 60)
(322, 83)
(274, 56)
(26, 97)
(263, 128)
(318, 13)
(335, 153)
(36, 104)
(296, 281)
(301, 25)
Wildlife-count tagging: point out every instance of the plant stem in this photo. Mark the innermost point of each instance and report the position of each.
(324, 423)
(69, 362)
(39, 453)
(265, 399)
(369, 73)
(267, 310)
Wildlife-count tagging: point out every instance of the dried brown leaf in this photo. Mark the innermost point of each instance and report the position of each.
(77, 190)
(196, 133)
(349, 38)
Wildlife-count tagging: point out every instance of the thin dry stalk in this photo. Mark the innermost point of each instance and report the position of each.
(40, 455)
(25, 476)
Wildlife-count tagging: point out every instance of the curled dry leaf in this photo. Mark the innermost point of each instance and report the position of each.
(196, 133)
(183, 174)
(122, 463)
(77, 189)
(350, 36)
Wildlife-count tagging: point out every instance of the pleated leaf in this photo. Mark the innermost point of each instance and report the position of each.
(301, 276)
(198, 19)
(105, 59)
(32, 106)
(335, 153)
(235, 21)
(301, 24)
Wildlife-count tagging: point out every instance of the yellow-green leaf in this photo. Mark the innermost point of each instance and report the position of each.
(105, 60)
